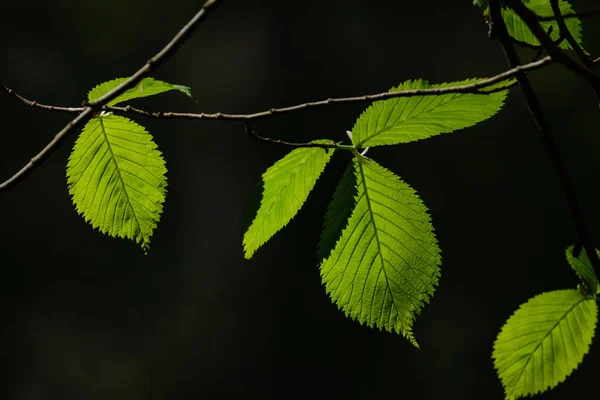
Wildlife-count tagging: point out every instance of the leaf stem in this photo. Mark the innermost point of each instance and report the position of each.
(332, 145)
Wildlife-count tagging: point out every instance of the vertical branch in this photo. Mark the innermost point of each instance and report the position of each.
(565, 33)
(531, 20)
(537, 114)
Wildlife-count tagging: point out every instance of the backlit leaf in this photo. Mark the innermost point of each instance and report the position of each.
(406, 119)
(520, 32)
(286, 185)
(544, 341)
(116, 177)
(385, 264)
(146, 87)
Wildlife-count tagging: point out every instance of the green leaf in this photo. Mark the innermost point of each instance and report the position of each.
(146, 87)
(520, 32)
(385, 264)
(116, 177)
(584, 270)
(286, 185)
(544, 341)
(406, 119)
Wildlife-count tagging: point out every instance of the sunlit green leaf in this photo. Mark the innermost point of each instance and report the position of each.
(116, 177)
(286, 185)
(544, 341)
(146, 87)
(520, 32)
(406, 119)
(385, 264)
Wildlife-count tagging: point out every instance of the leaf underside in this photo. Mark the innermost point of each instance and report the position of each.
(544, 341)
(116, 177)
(146, 87)
(285, 187)
(518, 30)
(584, 270)
(406, 119)
(385, 264)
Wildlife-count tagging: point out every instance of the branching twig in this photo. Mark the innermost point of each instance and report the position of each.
(332, 145)
(476, 87)
(88, 110)
(535, 108)
(469, 88)
(531, 20)
(564, 32)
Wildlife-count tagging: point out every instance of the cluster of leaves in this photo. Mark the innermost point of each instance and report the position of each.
(378, 254)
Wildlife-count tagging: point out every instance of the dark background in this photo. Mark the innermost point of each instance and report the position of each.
(86, 316)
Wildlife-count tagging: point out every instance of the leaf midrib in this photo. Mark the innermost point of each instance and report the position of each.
(372, 215)
(114, 159)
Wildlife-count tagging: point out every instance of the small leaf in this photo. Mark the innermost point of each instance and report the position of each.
(518, 29)
(385, 264)
(406, 119)
(116, 177)
(544, 341)
(286, 185)
(146, 87)
(584, 270)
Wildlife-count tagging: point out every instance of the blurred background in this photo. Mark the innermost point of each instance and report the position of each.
(86, 316)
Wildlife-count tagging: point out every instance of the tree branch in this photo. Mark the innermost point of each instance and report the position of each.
(332, 145)
(531, 20)
(537, 114)
(476, 88)
(88, 111)
(565, 33)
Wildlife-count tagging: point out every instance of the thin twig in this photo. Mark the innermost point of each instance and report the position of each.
(88, 111)
(332, 145)
(537, 114)
(469, 88)
(530, 19)
(475, 88)
(580, 15)
(564, 32)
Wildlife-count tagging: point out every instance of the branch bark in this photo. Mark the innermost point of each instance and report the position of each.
(475, 88)
(564, 32)
(88, 111)
(531, 20)
(537, 114)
